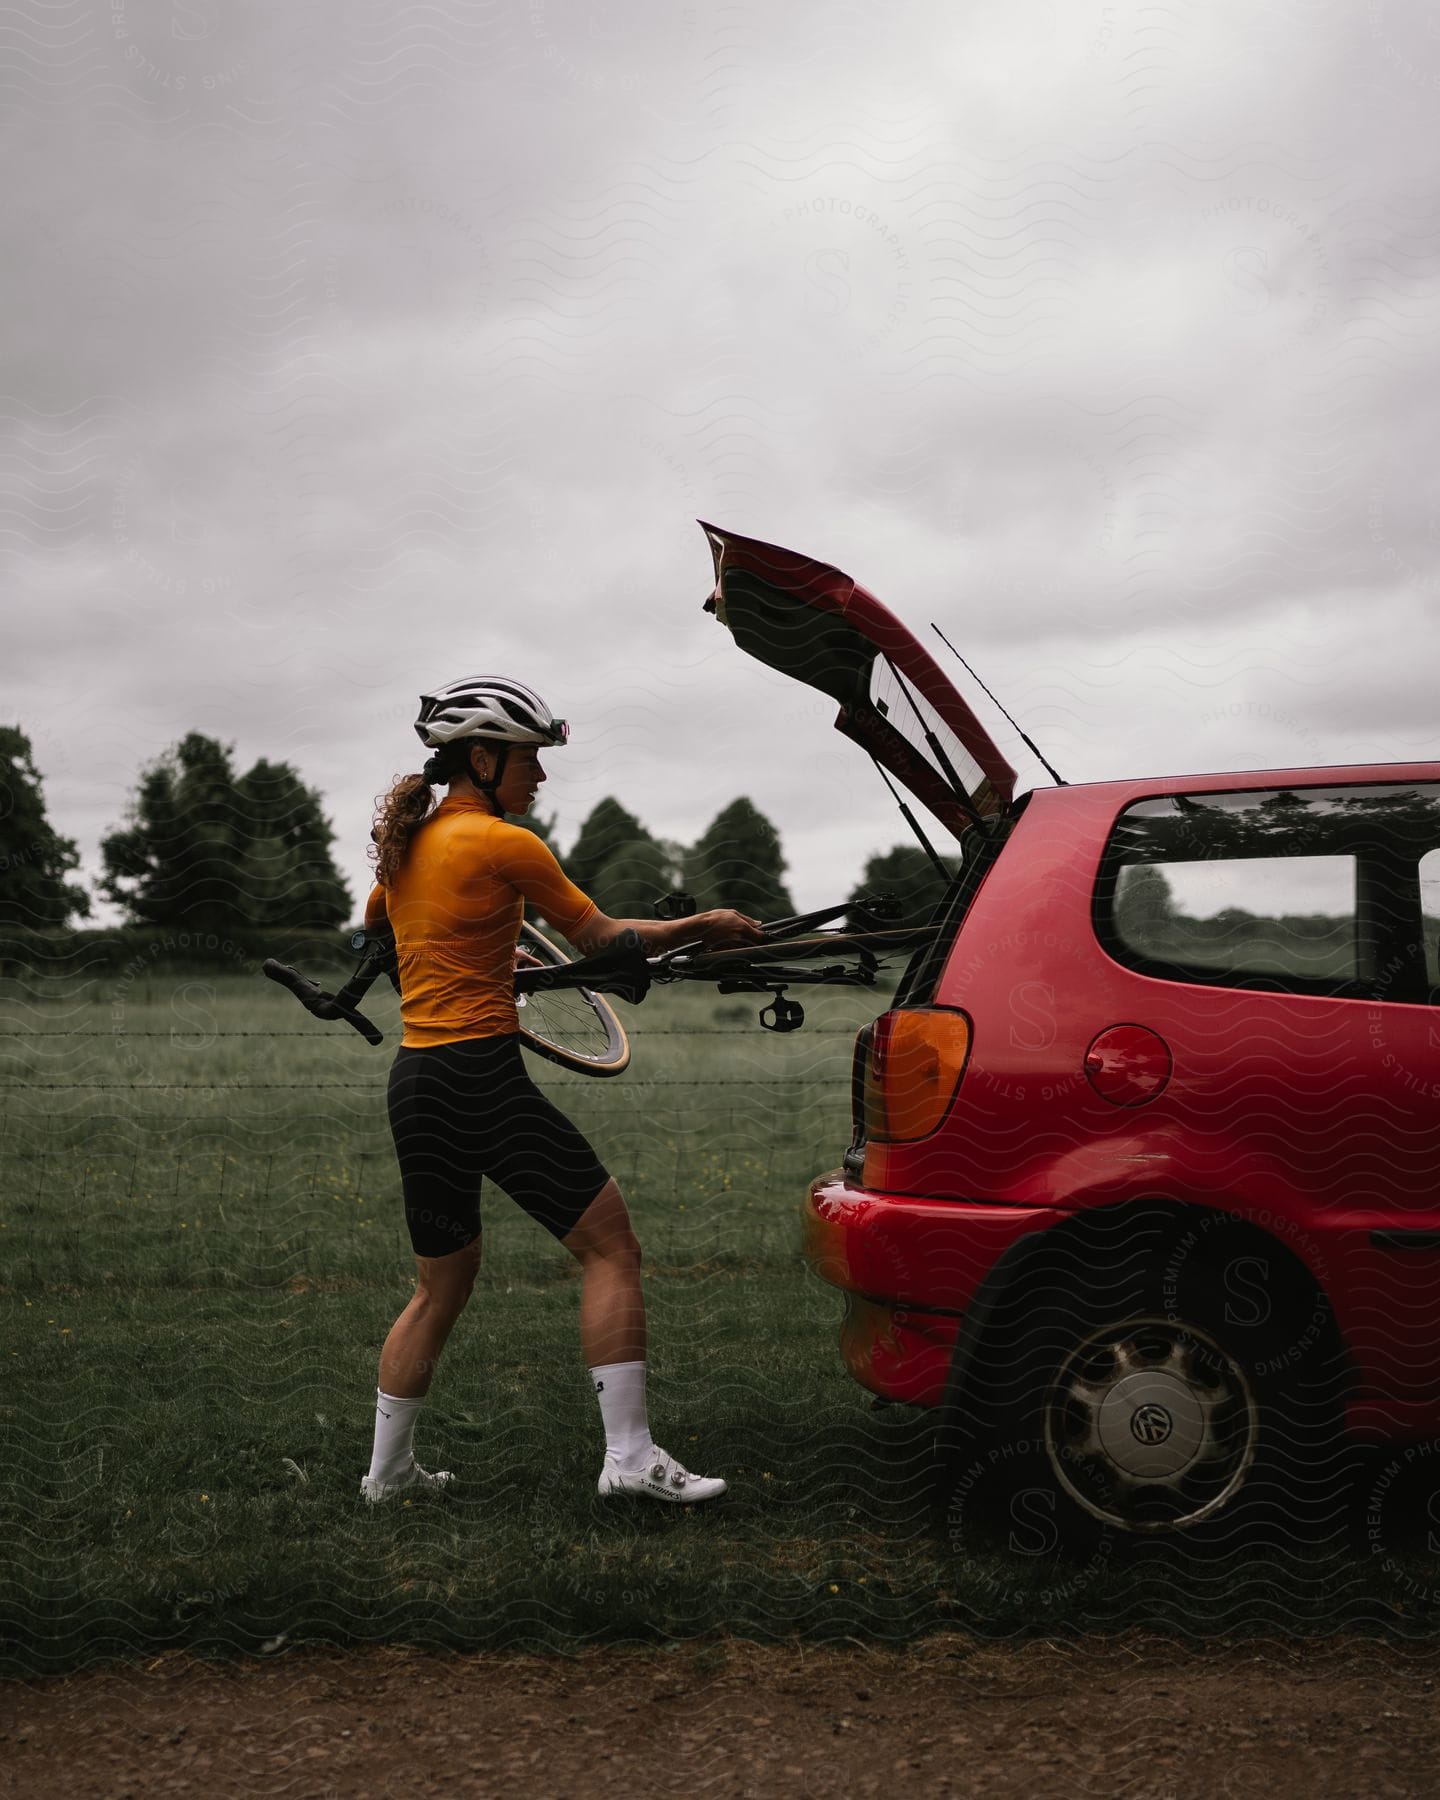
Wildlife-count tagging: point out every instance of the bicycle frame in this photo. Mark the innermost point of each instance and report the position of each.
(623, 968)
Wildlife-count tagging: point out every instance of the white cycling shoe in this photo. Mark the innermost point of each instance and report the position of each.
(415, 1480)
(661, 1478)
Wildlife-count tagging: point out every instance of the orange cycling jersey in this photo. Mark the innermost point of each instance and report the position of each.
(455, 907)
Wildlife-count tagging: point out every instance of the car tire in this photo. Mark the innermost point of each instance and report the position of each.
(1129, 1400)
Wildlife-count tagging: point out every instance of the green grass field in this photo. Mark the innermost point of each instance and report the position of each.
(202, 1249)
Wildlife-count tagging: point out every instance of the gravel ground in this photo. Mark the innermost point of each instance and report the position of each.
(1137, 1717)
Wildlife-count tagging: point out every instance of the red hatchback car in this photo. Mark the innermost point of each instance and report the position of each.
(1144, 1189)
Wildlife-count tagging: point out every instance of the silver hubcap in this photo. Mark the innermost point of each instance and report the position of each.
(1150, 1425)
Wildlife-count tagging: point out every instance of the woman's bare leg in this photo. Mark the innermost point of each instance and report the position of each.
(442, 1287)
(612, 1305)
(612, 1329)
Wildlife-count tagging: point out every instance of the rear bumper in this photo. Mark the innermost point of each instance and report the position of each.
(909, 1269)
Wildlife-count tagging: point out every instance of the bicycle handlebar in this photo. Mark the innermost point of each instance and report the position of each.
(315, 1000)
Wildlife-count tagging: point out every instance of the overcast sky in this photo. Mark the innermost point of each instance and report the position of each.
(351, 348)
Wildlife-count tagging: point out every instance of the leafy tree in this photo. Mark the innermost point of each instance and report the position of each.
(908, 873)
(34, 859)
(1146, 900)
(288, 876)
(1145, 910)
(606, 832)
(738, 862)
(175, 862)
(205, 849)
(633, 880)
(1307, 823)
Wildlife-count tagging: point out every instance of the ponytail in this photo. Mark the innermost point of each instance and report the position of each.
(407, 806)
(399, 815)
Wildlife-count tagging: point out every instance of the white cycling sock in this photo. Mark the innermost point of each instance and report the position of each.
(620, 1389)
(394, 1434)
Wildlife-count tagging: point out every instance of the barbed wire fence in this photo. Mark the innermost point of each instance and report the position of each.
(93, 1153)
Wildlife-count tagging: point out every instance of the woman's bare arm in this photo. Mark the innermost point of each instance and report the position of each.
(721, 929)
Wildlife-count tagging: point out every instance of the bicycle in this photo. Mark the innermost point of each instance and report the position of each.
(565, 1014)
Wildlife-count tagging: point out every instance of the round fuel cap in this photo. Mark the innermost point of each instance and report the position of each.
(1128, 1064)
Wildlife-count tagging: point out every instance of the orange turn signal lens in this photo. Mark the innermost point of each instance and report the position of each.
(913, 1072)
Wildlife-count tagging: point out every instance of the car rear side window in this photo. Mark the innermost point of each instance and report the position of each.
(1238, 915)
(1430, 907)
(1305, 890)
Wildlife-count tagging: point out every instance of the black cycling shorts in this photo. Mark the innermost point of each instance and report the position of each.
(462, 1111)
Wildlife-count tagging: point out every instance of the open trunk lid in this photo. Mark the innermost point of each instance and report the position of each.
(814, 623)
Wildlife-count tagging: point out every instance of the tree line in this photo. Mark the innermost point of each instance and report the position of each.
(209, 848)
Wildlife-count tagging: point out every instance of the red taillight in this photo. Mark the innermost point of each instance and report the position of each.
(859, 1068)
(911, 1070)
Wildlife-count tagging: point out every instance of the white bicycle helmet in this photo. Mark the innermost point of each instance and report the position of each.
(487, 706)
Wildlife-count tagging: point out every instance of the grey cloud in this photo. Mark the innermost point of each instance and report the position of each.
(352, 348)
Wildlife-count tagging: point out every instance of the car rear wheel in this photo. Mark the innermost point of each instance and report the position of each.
(1149, 1425)
(1146, 1406)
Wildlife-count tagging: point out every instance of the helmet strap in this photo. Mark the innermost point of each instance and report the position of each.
(488, 788)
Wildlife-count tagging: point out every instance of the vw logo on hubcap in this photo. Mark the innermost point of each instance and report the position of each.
(1150, 1424)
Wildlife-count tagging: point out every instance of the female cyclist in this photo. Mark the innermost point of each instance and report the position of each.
(453, 881)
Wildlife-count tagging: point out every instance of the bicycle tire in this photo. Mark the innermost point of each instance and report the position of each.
(569, 1026)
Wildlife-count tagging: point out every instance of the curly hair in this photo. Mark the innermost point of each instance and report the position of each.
(409, 803)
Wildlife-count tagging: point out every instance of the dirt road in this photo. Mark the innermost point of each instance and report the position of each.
(1140, 1717)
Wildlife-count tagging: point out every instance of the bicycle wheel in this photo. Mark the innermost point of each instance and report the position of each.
(570, 1026)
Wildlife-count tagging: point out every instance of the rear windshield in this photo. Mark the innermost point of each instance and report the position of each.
(1304, 890)
(912, 715)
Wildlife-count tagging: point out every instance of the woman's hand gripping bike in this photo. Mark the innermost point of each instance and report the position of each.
(564, 1012)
